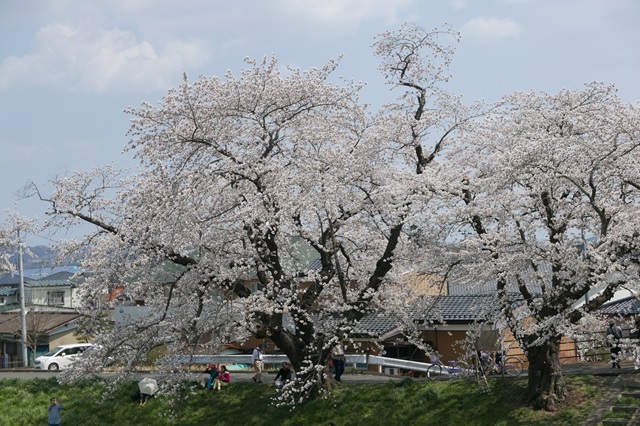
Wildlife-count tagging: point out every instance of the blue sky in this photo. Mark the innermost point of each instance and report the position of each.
(69, 67)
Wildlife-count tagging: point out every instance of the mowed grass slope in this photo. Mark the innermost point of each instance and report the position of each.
(403, 402)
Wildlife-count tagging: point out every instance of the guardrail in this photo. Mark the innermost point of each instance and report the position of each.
(397, 363)
(354, 359)
(227, 359)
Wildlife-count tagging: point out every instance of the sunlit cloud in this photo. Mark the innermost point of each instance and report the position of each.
(98, 60)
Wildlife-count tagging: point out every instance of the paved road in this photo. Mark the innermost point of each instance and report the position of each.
(237, 376)
(602, 368)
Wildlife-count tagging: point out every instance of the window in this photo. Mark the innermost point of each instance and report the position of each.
(55, 298)
(69, 351)
(2, 301)
(255, 287)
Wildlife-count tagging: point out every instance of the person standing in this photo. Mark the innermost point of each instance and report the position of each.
(54, 412)
(257, 362)
(614, 334)
(337, 355)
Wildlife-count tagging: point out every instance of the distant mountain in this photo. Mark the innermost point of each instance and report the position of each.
(40, 257)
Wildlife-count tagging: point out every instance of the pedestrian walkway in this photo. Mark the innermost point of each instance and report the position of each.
(621, 404)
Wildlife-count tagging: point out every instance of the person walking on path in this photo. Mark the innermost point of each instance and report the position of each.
(54, 412)
(614, 334)
(635, 336)
(257, 362)
(337, 355)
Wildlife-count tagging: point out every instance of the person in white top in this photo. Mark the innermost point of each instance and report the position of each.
(256, 362)
(337, 355)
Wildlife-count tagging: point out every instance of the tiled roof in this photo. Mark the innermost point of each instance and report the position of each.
(65, 276)
(49, 283)
(10, 279)
(447, 309)
(8, 291)
(461, 308)
(314, 265)
(375, 325)
(371, 325)
(466, 285)
(487, 288)
(624, 307)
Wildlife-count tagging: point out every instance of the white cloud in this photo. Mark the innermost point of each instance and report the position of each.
(490, 29)
(345, 13)
(98, 60)
(458, 4)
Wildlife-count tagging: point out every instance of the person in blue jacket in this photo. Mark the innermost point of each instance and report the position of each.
(54, 412)
(213, 374)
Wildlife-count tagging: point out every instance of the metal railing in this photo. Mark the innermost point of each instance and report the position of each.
(277, 359)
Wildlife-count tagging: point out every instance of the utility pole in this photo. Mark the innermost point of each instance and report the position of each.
(23, 311)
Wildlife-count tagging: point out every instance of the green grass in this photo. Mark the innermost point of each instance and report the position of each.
(405, 402)
(628, 400)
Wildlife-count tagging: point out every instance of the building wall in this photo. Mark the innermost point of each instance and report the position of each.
(40, 296)
(448, 342)
(66, 338)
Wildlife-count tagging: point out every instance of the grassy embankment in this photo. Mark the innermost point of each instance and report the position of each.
(405, 403)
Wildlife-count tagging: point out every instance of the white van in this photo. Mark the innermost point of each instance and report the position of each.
(60, 357)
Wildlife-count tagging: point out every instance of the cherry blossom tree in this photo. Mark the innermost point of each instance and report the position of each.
(5, 242)
(238, 178)
(15, 228)
(549, 212)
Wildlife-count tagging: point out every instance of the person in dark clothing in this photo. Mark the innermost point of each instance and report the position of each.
(614, 335)
(635, 337)
(284, 374)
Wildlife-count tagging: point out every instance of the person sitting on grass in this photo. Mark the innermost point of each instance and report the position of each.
(223, 378)
(212, 369)
(284, 374)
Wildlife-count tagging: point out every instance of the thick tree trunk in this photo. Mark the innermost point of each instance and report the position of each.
(546, 385)
(310, 377)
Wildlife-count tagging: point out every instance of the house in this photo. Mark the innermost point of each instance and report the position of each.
(51, 314)
(52, 292)
(45, 330)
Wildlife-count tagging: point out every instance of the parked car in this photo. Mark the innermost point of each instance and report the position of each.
(61, 357)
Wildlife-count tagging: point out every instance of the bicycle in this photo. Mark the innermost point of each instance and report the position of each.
(511, 366)
(455, 370)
